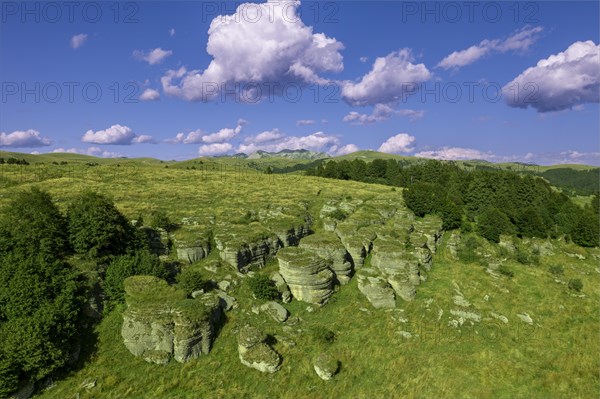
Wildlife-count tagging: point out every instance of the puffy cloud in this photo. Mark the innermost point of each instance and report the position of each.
(559, 82)
(266, 136)
(259, 43)
(347, 149)
(93, 151)
(193, 137)
(152, 57)
(457, 153)
(78, 40)
(222, 135)
(19, 138)
(214, 149)
(305, 122)
(520, 40)
(318, 141)
(391, 79)
(382, 112)
(150, 95)
(116, 134)
(398, 143)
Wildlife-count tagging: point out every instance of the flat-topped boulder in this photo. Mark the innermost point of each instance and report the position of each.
(377, 290)
(244, 246)
(357, 240)
(192, 243)
(308, 275)
(161, 323)
(328, 246)
(254, 351)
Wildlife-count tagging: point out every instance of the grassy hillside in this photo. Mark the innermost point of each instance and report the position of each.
(414, 350)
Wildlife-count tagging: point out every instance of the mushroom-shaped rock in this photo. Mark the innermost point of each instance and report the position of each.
(307, 274)
(328, 246)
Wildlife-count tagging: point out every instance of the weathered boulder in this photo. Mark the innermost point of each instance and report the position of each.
(289, 229)
(376, 289)
(255, 353)
(357, 240)
(275, 310)
(245, 246)
(192, 243)
(308, 275)
(329, 246)
(284, 290)
(430, 227)
(160, 323)
(326, 366)
(403, 287)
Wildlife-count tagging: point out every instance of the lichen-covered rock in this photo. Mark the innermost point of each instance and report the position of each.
(357, 240)
(403, 287)
(308, 275)
(160, 323)
(284, 290)
(255, 353)
(275, 310)
(329, 246)
(376, 289)
(430, 227)
(326, 366)
(245, 246)
(192, 243)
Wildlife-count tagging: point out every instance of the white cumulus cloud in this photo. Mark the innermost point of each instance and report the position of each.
(152, 57)
(398, 143)
(318, 141)
(78, 40)
(382, 112)
(150, 95)
(259, 43)
(24, 138)
(222, 135)
(347, 149)
(116, 134)
(520, 40)
(391, 79)
(214, 149)
(561, 81)
(457, 153)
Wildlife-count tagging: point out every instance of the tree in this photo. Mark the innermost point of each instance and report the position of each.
(491, 223)
(96, 227)
(530, 223)
(190, 280)
(451, 215)
(586, 231)
(423, 198)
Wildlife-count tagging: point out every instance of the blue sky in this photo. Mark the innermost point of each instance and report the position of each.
(501, 81)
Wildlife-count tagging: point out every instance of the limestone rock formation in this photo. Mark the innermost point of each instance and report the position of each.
(160, 323)
(326, 366)
(192, 244)
(329, 246)
(308, 275)
(245, 246)
(255, 353)
(376, 289)
(275, 310)
(284, 290)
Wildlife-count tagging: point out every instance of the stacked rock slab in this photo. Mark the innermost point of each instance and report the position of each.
(245, 246)
(160, 323)
(398, 265)
(356, 240)
(192, 244)
(375, 288)
(431, 228)
(308, 276)
(255, 353)
(328, 246)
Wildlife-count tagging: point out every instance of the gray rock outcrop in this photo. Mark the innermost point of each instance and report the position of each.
(284, 290)
(275, 310)
(326, 366)
(308, 276)
(376, 289)
(255, 353)
(160, 323)
(329, 247)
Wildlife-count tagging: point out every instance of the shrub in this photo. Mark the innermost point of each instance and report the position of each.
(323, 335)
(522, 257)
(504, 270)
(575, 284)
(142, 262)
(190, 281)
(556, 270)
(262, 287)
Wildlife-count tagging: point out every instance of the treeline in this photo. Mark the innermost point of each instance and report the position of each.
(13, 161)
(41, 292)
(580, 182)
(491, 202)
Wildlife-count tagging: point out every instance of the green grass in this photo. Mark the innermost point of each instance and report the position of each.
(557, 356)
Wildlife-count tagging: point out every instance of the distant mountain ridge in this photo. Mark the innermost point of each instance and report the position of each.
(289, 154)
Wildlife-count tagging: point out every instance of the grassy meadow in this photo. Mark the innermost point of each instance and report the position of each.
(411, 351)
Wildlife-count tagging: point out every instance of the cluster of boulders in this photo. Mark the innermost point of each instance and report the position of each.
(254, 352)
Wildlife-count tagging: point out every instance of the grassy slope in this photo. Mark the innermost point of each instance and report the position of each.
(556, 357)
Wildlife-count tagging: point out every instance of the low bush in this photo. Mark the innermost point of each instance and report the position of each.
(262, 287)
